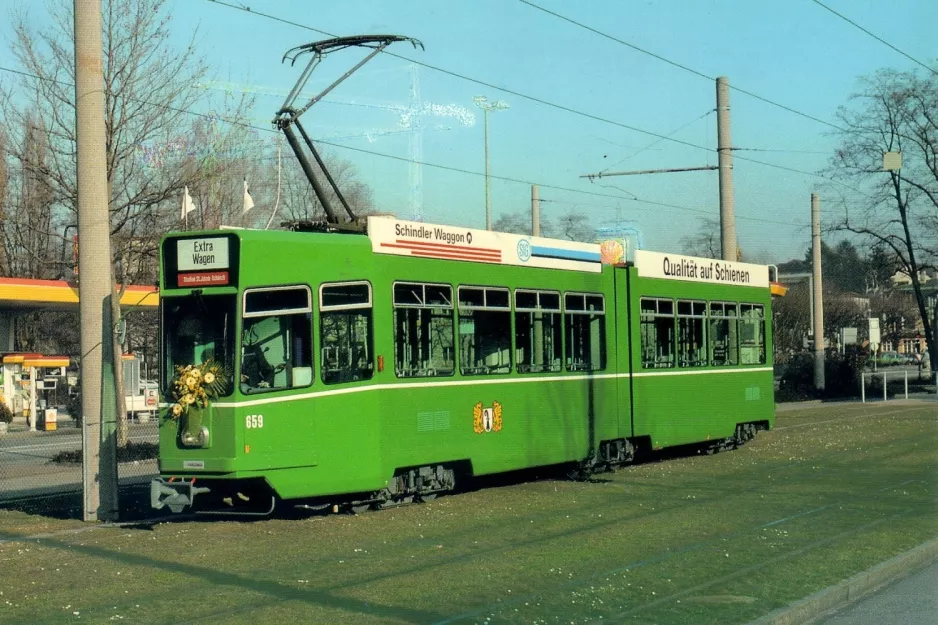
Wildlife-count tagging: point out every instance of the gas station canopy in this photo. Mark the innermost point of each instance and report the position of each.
(25, 294)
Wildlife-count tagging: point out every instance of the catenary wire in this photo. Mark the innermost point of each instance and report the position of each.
(679, 66)
(214, 116)
(546, 102)
(877, 38)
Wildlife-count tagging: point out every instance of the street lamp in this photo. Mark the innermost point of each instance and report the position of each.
(483, 103)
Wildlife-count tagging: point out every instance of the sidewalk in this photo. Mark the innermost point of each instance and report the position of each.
(863, 585)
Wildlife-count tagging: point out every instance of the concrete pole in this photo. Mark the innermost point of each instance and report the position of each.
(488, 199)
(817, 292)
(94, 257)
(725, 165)
(535, 211)
(32, 399)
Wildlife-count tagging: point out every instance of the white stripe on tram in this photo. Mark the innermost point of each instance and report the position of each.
(411, 385)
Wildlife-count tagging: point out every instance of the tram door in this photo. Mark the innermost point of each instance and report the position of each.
(623, 351)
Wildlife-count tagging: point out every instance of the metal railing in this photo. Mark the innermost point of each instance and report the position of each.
(885, 385)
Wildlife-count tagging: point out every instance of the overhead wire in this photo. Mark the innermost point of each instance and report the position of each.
(657, 141)
(215, 116)
(874, 36)
(554, 104)
(679, 65)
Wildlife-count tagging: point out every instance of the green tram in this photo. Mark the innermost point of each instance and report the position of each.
(373, 370)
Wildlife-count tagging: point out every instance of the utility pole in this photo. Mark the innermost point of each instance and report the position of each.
(817, 292)
(483, 103)
(99, 466)
(725, 163)
(535, 211)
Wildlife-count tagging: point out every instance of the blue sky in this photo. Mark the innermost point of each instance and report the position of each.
(792, 52)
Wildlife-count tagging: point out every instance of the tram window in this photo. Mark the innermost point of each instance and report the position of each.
(585, 325)
(276, 339)
(423, 330)
(198, 329)
(691, 334)
(724, 334)
(346, 332)
(484, 330)
(751, 334)
(657, 333)
(538, 343)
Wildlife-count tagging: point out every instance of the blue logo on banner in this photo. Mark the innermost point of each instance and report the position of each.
(524, 250)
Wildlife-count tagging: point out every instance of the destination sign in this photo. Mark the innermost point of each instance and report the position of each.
(202, 278)
(407, 238)
(694, 269)
(202, 254)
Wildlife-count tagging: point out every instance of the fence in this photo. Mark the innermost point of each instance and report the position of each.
(41, 471)
(864, 374)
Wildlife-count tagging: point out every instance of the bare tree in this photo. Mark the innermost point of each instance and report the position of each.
(572, 225)
(150, 92)
(894, 111)
(515, 223)
(706, 242)
(298, 202)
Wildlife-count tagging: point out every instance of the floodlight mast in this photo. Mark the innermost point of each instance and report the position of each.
(288, 115)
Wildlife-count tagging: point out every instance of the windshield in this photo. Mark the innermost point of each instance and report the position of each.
(197, 329)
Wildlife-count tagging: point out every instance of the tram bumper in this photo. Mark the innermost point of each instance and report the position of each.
(173, 495)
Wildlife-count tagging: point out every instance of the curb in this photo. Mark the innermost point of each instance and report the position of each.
(853, 589)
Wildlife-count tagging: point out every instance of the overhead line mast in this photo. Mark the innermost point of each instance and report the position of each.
(288, 115)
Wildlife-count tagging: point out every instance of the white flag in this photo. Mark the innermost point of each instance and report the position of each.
(248, 202)
(187, 204)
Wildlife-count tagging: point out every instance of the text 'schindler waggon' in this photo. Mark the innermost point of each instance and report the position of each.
(370, 370)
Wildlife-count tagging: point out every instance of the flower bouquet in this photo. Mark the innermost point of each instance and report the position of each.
(194, 386)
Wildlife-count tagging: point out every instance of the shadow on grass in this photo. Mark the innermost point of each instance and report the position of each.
(273, 589)
(134, 502)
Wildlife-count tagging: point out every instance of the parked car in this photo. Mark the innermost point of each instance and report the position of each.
(884, 359)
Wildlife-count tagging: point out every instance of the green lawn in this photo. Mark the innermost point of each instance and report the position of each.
(832, 491)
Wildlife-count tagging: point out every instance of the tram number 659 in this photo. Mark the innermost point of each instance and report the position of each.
(254, 421)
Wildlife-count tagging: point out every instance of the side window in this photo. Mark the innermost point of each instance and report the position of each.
(346, 332)
(691, 334)
(484, 330)
(423, 330)
(276, 339)
(538, 343)
(724, 335)
(751, 334)
(657, 333)
(585, 325)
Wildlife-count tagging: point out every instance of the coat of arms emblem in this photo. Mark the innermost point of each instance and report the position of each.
(487, 419)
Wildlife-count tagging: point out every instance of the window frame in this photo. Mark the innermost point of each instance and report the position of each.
(450, 306)
(324, 310)
(538, 309)
(333, 308)
(760, 322)
(276, 312)
(485, 307)
(568, 347)
(711, 318)
(705, 325)
(672, 363)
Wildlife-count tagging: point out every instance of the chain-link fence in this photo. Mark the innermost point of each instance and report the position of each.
(41, 470)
